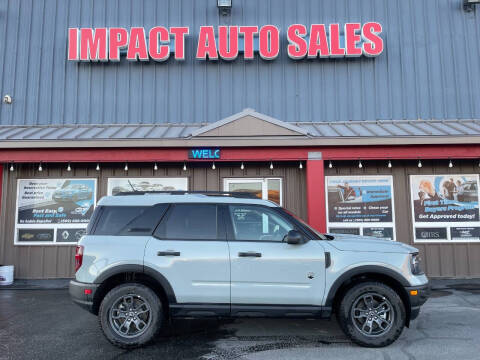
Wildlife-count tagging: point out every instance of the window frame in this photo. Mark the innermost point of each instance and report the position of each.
(101, 212)
(221, 227)
(231, 232)
(263, 180)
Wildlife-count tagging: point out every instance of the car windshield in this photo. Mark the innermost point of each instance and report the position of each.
(319, 234)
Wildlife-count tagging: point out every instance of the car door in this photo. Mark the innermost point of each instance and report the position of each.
(189, 249)
(264, 268)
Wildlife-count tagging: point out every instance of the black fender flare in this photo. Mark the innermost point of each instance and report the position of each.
(364, 269)
(136, 268)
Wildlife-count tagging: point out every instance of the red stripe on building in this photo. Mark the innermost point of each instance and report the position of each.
(1, 185)
(242, 154)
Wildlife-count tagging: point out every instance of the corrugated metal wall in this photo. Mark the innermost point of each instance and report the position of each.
(56, 261)
(430, 69)
(441, 259)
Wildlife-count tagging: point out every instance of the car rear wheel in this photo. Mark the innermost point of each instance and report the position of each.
(130, 315)
(372, 314)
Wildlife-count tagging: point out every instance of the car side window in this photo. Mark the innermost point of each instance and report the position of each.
(129, 220)
(258, 223)
(189, 222)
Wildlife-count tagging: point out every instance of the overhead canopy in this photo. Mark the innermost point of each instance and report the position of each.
(244, 129)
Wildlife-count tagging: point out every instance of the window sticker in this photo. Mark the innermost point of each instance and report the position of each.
(445, 208)
(51, 211)
(361, 205)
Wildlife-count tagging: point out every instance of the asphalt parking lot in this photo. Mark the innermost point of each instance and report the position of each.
(44, 324)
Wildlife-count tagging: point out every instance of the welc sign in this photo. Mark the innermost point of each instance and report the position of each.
(225, 42)
(204, 153)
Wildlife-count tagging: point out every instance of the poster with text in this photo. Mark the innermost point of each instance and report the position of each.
(44, 205)
(364, 203)
(445, 208)
(119, 185)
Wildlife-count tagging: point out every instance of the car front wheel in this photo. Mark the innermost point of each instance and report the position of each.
(130, 315)
(372, 314)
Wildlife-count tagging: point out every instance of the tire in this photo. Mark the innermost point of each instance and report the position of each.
(365, 327)
(114, 310)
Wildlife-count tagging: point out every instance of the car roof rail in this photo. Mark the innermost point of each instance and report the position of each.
(234, 194)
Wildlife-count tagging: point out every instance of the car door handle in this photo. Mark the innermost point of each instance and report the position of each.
(249, 254)
(168, 253)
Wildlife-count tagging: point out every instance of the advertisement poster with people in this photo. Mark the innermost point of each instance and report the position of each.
(445, 208)
(121, 185)
(361, 205)
(53, 210)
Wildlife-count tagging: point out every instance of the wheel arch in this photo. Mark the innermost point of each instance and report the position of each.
(122, 274)
(369, 272)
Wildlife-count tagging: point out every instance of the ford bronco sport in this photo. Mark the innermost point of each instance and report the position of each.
(150, 257)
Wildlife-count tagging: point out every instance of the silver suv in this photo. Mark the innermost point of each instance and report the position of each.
(150, 257)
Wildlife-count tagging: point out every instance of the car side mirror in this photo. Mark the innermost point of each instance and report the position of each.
(294, 237)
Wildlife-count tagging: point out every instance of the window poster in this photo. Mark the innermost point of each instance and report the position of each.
(50, 211)
(445, 208)
(118, 185)
(361, 205)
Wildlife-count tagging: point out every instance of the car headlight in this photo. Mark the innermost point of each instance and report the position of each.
(416, 264)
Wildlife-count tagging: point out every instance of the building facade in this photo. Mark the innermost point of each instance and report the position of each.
(362, 117)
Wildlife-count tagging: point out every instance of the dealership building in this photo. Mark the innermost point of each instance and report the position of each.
(362, 117)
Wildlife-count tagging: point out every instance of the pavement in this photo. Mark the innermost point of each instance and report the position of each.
(40, 322)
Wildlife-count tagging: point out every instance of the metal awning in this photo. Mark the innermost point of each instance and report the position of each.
(291, 133)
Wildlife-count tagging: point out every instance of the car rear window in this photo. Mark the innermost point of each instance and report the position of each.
(129, 220)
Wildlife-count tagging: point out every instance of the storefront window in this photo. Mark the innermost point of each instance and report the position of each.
(263, 188)
(361, 205)
(53, 211)
(445, 208)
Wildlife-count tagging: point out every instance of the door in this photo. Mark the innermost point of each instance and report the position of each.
(189, 249)
(264, 268)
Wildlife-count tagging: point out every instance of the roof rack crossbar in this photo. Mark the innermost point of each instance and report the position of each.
(240, 194)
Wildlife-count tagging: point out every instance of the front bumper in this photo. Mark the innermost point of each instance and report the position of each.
(416, 301)
(78, 295)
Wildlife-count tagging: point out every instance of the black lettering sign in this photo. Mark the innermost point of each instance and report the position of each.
(348, 231)
(465, 233)
(431, 233)
(379, 232)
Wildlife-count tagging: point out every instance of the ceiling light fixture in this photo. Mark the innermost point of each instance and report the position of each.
(469, 5)
(224, 6)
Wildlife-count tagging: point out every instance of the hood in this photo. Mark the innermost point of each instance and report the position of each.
(345, 242)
